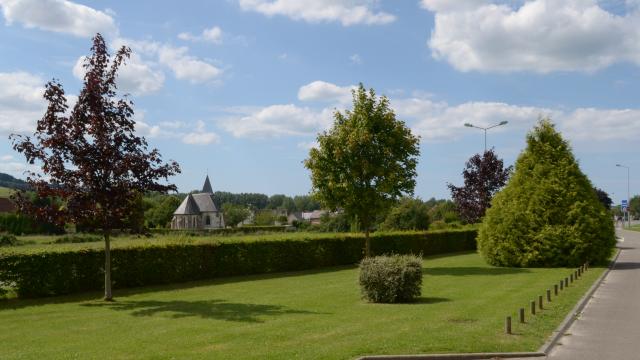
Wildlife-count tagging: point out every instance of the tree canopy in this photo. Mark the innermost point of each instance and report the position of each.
(483, 177)
(91, 157)
(548, 214)
(365, 161)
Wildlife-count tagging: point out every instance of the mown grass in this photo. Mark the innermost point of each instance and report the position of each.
(634, 227)
(304, 315)
(5, 192)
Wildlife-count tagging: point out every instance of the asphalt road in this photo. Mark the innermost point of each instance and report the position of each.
(609, 326)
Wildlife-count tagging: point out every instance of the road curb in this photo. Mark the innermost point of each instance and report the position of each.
(542, 352)
(573, 314)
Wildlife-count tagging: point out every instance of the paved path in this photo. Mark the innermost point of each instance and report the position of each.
(609, 327)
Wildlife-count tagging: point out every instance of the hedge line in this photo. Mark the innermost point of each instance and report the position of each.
(55, 273)
(223, 231)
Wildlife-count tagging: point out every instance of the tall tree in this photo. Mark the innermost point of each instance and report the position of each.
(548, 214)
(483, 177)
(234, 214)
(91, 157)
(365, 162)
(604, 198)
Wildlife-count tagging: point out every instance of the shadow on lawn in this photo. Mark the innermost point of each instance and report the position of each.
(466, 271)
(206, 309)
(626, 266)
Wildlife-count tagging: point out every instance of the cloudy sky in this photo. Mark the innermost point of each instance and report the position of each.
(240, 88)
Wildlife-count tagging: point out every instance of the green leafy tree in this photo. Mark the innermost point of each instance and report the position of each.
(365, 162)
(234, 214)
(159, 210)
(265, 218)
(634, 206)
(408, 214)
(548, 214)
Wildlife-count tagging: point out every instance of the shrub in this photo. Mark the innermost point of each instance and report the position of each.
(46, 272)
(83, 238)
(8, 240)
(548, 214)
(408, 214)
(391, 279)
(18, 225)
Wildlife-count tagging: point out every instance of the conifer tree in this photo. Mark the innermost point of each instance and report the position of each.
(548, 214)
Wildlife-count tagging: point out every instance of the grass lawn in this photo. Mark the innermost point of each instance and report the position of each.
(5, 192)
(634, 227)
(304, 315)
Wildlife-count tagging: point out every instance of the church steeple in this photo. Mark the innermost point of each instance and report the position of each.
(207, 186)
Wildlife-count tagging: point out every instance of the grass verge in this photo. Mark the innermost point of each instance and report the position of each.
(313, 314)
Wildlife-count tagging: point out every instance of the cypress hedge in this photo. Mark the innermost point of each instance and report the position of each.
(47, 273)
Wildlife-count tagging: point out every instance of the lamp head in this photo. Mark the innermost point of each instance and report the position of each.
(503, 122)
(468, 125)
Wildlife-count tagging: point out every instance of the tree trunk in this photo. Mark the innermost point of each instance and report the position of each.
(108, 296)
(367, 244)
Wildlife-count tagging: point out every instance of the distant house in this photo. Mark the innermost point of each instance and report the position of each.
(313, 216)
(7, 206)
(198, 211)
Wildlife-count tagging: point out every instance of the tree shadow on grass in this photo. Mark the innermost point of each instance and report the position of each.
(626, 266)
(429, 300)
(469, 270)
(205, 309)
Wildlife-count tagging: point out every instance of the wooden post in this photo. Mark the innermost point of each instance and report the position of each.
(548, 295)
(540, 302)
(533, 308)
(566, 282)
(580, 271)
(561, 285)
(507, 325)
(555, 289)
(522, 315)
(575, 274)
(571, 278)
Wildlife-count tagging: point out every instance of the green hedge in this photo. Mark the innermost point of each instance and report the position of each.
(21, 225)
(45, 273)
(225, 231)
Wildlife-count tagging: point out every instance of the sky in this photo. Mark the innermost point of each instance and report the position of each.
(239, 89)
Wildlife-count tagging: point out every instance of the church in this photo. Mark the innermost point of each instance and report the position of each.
(198, 211)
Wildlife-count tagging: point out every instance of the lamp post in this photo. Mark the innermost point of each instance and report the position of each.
(628, 199)
(485, 130)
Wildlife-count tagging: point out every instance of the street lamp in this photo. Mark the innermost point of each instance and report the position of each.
(485, 130)
(628, 199)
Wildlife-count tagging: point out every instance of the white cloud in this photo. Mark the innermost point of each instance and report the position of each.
(183, 65)
(135, 76)
(21, 102)
(588, 124)
(59, 16)
(355, 59)
(324, 91)
(539, 35)
(212, 35)
(352, 12)
(200, 136)
(18, 169)
(279, 120)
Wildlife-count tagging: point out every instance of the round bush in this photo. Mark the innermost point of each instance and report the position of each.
(549, 213)
(391, 279)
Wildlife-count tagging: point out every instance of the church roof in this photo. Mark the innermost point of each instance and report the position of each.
(205, 202)
(188, 207)
(207, 186)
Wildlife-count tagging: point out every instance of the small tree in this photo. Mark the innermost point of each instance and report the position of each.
(408, 214)
(91, 158)
(604, 198)
(234, 214)
(365, 162)
(634, 206)
(548, 214)
(483, 177)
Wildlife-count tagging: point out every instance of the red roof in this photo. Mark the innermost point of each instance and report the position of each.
(6, 205)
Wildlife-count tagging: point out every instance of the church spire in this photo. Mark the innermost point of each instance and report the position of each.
(207, 186)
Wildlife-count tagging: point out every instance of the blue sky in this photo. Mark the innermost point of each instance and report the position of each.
(241, 87)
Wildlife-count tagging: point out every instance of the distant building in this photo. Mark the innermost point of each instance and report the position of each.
(198, 211)
(313, 216)
(7, 206)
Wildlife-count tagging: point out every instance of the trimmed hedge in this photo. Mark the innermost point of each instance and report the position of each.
(46, 273)
(21, 225)
(391, 279)
(224, 231)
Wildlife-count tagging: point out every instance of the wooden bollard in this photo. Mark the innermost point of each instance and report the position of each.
(571, 278)
(555, 289)
(586, 265)
(548, 295)
(507, 325)
(580, 271)
(576, 275)
(533, 307)
(521, 315)
(561, 285)
(540, 302)
(566, 282)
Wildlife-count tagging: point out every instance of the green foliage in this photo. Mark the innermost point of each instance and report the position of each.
(365, 161)
(548, 214)
(77, 238)
(17, 224)
(391, 279)
(408, 214)
(234, 214)
(159, 209)
(634, 206)
(47, 272)
(264, 218)
(8, 240)
(245, 229)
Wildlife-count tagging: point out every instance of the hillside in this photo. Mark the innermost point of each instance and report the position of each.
(8, 181)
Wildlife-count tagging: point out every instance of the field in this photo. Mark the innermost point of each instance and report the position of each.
(308, 315)
(5, 192)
